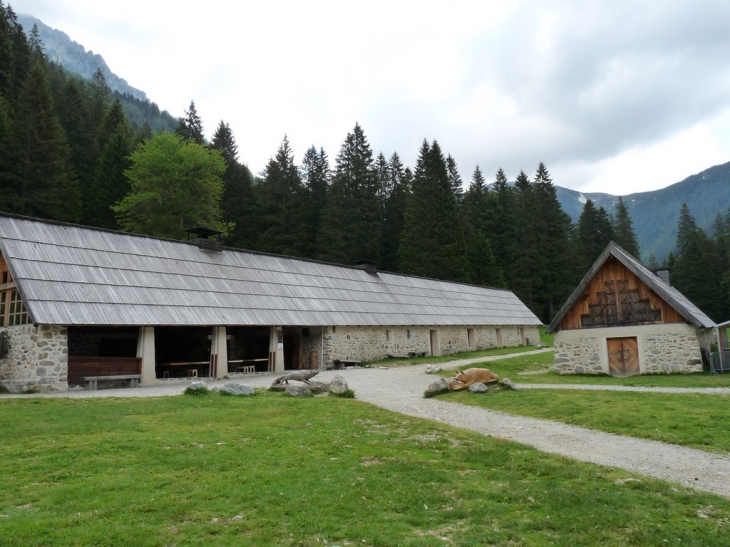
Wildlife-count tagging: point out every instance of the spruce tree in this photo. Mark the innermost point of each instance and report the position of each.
(550, 229)
(476, 213)
(238, 205)
(47, 183)
(433, 243)
(110, 184)
(351, 220)
(190, 126)
(284, 207)
(593, 234)
(398, 190)
(623, 230)
(455, 179)
(315, 175)
(693, 273)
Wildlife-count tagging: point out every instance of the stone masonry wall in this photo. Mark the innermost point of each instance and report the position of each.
(372, 343)
(662, 349)
(37, 360)
(581, 356)
(672, 352)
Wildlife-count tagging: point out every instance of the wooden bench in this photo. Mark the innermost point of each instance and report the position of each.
(83, 370)
(132, 379)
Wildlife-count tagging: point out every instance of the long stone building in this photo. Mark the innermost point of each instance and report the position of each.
(622, 319)
(79, 302)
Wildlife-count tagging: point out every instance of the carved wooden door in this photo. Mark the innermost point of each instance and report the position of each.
(623, 356)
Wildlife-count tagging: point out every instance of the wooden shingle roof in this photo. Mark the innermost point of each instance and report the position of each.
(75, 275)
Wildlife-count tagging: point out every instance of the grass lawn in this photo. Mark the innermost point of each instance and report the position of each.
(694, 420)
(515, 367)
(272, 470)
(453, 357)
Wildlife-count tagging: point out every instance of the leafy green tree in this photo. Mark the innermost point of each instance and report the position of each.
(284, 207)
(239, 204)
(351, 220)
(47, 185)
(433, 243)
(623, 230)
(174, 185)
(190, 126)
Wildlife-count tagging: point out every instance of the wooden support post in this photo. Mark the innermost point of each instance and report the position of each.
(219, 353)
(276, 350)
(146, 351)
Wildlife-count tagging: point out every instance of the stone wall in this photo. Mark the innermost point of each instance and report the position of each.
(677, 351)
(37, 360)
(372, 343)
(662, 349)
(581, 356)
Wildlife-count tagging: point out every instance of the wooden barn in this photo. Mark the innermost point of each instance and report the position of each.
(622, 320)
(79, 304)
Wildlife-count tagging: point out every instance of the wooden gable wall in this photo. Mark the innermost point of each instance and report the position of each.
(613, 270)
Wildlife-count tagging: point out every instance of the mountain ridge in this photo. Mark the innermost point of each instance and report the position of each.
(655, 213)
(61, 49)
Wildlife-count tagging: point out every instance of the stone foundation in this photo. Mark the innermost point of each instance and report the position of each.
(662, 349)
(37, 360)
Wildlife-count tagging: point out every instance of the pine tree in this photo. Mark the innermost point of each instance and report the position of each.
(316, 175)
(110, 184)
(477, 209)
(351, 220)
(550, 227)
(284, 207)
(455, 179)
(398, 191)
(623, 230)
(190, 126)
(433, 243)
(47, 184)
(593, 234)
(238, 205)
(694, 273)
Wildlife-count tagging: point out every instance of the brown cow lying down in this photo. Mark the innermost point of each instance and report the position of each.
(472, 376)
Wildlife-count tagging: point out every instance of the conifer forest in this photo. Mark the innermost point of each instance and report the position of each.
(70, 150)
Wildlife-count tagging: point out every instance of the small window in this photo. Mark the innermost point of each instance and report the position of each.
(387, 334)
(408, 334)
(13, 309)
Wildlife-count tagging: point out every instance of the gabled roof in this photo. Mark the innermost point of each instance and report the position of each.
(669, 294)
(75, 275)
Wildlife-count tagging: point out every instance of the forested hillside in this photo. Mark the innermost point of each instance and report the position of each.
(68, 151)
(656, 213)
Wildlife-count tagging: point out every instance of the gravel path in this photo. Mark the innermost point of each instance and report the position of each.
(400, 389)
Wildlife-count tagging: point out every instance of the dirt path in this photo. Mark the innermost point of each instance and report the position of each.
(400, 389)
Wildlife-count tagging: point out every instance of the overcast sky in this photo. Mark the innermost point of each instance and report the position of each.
(615, 96)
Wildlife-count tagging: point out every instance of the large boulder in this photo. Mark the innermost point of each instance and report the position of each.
(338, 385)
(436, 387)
(297, 391)
(509, 384)
(198, 386)
(237, 389)
(478, 388)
